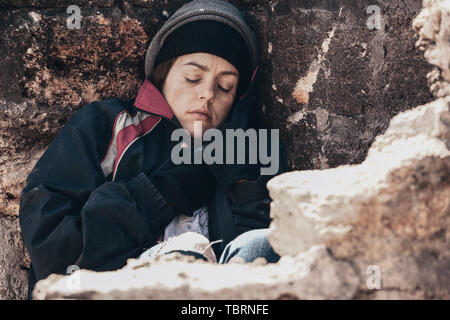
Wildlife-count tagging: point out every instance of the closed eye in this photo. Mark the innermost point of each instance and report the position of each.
(223, 89)
(220, 87)
(192, 81)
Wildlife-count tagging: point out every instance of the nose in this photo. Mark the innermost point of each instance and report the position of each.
(206, 91)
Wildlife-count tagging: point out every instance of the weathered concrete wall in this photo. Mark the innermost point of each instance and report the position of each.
(333, 84)
(433, 27)
(14, 260)
(329, 83)
(391, 211)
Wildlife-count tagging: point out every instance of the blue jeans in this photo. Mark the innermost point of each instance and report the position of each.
(248, 246)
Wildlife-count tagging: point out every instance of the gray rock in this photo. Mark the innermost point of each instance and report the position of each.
(391, 211)
(312, 275)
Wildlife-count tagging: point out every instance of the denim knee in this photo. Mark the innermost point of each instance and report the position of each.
(249, 246)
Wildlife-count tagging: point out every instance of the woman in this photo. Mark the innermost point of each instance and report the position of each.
(106, 189)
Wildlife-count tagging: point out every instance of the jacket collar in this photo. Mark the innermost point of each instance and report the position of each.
(150, 99)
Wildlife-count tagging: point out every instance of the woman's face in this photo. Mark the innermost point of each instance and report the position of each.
(200, 88)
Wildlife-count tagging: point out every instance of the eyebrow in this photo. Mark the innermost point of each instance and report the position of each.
(205, 68)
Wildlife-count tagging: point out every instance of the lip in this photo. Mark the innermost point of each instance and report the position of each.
(201, 114)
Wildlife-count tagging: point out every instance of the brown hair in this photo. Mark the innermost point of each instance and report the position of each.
(160, 73)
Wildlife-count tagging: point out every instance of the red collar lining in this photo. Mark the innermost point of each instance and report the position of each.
(150, 99)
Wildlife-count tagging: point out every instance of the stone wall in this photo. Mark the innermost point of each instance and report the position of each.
(329, 82)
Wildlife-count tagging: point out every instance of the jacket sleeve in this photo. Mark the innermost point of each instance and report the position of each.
(70, 214)
(242, 207)
(249, 201)
(250, 204)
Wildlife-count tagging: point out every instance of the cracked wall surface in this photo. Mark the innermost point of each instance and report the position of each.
(329, 83)
(392, 211)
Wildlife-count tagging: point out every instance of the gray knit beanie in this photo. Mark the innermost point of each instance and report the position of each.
(214, 10)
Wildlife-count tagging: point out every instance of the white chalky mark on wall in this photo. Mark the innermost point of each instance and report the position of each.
(296, 117)
(323, 160)
(322, 118)
(305, 85)
(35, 16)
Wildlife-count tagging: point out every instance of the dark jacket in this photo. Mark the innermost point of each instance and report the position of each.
(86, 203)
